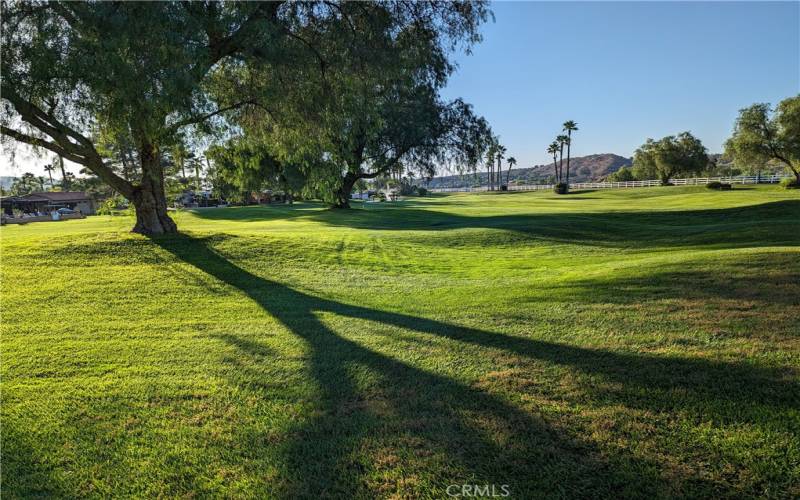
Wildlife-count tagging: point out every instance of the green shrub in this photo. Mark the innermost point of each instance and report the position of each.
(422, 191)
(790, 183)
(624, 174)
(719, 186)
(561, 188)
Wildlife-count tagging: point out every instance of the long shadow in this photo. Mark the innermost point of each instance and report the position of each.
(412, 409)
(431, 415)
(751, 283)
(766, 224)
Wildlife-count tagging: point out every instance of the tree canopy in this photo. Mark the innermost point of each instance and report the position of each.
(74, 72)
(670, 156)
(372, 105)
(761, 135)
(77, 76)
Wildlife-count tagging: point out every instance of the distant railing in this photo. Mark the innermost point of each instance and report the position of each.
(694, 181)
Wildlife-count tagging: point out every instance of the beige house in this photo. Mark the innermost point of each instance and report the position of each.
(76, 200)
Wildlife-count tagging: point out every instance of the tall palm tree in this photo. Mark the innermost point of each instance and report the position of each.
(49, 169)
(561, 139)
(553, 150)
(489, 165)
(501, 153)
(569, 127)
(64, 180)
(511, 162)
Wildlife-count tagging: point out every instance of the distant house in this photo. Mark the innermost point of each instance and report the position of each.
(44, 202)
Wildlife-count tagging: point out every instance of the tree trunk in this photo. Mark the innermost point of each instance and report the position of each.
(342, 195)
(499, 173)
(64, 181)
(555, 169)
(149, 199)
(795, 171)
(569, 144)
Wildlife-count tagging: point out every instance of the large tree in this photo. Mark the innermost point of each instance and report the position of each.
(670, 156)
(250, 167)
(74, 71)
(373, 106)
(760, 135)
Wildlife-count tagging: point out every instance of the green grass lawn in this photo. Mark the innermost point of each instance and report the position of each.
(611, 343)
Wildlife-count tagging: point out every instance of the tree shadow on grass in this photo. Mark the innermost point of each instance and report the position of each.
(433, 431)
(771, 278)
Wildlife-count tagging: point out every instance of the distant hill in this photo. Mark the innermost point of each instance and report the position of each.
(582, 169)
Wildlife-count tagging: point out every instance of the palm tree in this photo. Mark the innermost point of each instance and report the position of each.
(511, 162)
(501, 153)
(561, 139)
(569, 127)
(553, 150)
(49, 169)
(64, 180)
(69, 178)
(490, 165)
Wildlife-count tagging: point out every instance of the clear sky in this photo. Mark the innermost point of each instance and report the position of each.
(624, 71)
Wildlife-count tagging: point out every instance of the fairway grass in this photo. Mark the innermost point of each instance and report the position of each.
(617, 343)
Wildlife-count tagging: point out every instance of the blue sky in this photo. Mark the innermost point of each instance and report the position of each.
(626, 71)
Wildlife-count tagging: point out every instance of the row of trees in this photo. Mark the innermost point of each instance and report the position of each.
(556, 148)
(495, 154)
(761, 137)
(316, 95)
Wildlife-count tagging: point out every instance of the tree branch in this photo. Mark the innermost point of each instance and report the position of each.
(37, 142)
(201, 118)
(82, 153)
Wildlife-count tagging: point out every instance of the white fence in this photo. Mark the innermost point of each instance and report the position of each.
(694, 181)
